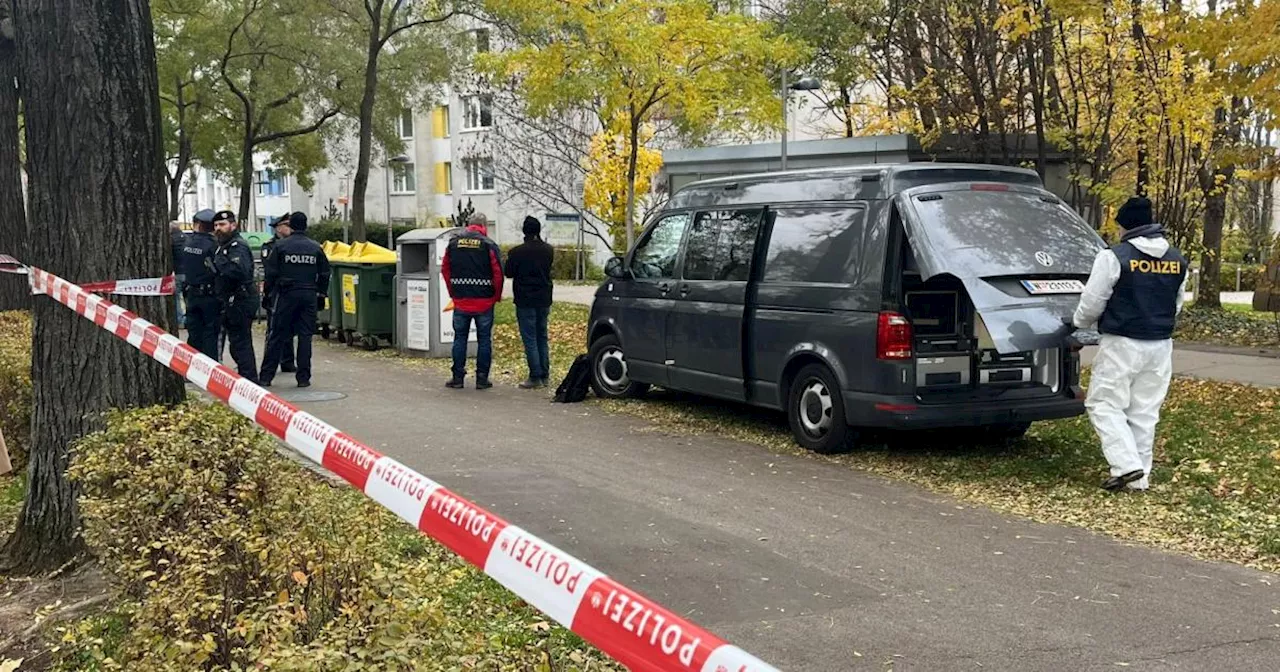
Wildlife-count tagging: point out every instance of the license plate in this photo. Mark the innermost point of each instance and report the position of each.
(1053, 286)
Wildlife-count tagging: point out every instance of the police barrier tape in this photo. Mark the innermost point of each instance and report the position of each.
(138, 287)
(634, 630)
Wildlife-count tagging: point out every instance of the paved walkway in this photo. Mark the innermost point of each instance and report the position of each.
(807, 564)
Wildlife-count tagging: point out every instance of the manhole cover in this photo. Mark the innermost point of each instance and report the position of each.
(305, 396)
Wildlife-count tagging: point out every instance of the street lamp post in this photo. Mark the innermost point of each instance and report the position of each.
(804, 84)
(386, 182)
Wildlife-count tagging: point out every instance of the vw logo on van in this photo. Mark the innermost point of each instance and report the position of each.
(1044, 259)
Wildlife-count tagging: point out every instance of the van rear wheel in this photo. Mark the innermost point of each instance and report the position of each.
(610, 378)
(815, 411)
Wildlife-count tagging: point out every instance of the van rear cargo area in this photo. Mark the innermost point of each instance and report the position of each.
(955, 358)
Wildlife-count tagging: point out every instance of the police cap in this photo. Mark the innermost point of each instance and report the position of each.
(203, 217)
(282, 219)
(224, 216)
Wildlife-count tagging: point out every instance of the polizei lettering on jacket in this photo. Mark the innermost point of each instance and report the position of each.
(543, 561)
(464, 515)
(646, 624)
(300, 259)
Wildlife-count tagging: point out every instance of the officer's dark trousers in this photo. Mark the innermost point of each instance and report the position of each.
(286, 357)
(204, 319)
(294, 316)
(237, 320)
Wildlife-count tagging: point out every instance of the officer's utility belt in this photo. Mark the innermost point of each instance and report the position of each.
(294, 288)
(198, 290)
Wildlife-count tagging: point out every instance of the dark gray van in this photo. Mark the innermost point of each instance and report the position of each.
(907, 296)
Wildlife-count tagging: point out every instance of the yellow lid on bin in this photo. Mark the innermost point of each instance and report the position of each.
(338, 252)
(371, 253)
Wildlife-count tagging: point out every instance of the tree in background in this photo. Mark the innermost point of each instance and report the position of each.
(680, 61)
(14, 293)
(187, 80)
(405, 58)
(606, 185)
(84, 128)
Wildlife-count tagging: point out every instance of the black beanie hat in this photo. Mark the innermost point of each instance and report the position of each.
(298, 221)
(532, 226)
(1134, 213)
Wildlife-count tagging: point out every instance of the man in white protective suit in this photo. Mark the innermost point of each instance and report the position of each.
(1133, 297)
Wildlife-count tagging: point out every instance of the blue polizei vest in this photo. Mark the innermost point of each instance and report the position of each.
(1144, 303)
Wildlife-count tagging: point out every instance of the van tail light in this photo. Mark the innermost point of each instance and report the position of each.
(893, 337)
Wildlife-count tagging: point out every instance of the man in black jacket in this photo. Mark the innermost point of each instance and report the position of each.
(237, 291)
(529, 267)
(296, 277)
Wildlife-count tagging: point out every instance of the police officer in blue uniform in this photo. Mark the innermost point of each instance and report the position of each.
(297, 276)
(237, 291)
(204, 311)
(1133, 296)
(269, 300)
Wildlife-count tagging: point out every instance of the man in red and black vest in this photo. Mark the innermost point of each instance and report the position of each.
(472, 270)
(1133, 296)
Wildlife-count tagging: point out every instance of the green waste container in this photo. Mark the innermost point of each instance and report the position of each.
(366, 288)
(329, 320)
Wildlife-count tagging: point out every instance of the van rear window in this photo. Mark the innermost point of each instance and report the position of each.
(822, 245)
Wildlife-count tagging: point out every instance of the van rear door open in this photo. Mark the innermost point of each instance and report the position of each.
(1022, 255)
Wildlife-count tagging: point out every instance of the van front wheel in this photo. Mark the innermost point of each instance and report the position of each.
(610, 377)
(815, 410)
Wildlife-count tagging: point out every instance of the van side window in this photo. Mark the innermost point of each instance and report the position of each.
(655, 256)
(721, 244)
(815, 245)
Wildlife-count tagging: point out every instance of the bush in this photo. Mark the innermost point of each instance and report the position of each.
(1227, 327)
(1250, 275)
(230, 556)
(563, 266)
(331, 230)
(15, 385)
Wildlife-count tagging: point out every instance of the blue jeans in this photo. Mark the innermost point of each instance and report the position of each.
(533, 331)
(484, 346)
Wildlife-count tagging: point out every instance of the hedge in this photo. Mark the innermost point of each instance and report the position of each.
(1250, 275)
(562, 267)
(15, 385)
(331, 230)
(229, 556)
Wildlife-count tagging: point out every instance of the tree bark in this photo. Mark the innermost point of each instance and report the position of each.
(95, 160)
(360, 184)
(183, 162)
(14, 292)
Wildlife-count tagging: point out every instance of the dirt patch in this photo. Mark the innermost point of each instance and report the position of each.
(31, 607)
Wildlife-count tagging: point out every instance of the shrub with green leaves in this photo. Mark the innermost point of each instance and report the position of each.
(15, 385)
(230, 556)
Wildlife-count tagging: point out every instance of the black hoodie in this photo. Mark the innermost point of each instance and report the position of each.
(529, 267)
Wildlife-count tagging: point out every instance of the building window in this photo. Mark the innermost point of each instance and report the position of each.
(482, 40)
(477, 112)
(271, 182)
(403, 178)
(444, 178)
(405, 124)
(479, 174)
(440, 122)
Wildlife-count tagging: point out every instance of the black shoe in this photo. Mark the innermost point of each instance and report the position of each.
(1117, 483)
(545, 382)
(304, 383)
(289, 368)
(483, 384)
(454, 384)
(264, 383)
(530, 384)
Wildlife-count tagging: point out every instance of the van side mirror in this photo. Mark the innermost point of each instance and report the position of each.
(616, 268)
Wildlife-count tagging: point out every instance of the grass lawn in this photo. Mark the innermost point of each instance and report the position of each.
(1217, 478)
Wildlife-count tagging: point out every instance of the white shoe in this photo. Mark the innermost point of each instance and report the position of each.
(1140, 484)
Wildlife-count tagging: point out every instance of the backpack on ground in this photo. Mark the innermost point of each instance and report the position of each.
(576, 383)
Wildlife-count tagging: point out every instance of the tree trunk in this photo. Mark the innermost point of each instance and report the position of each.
(184, 157)
(633, 142)
(95, 159)
(246, 172)
(360, 185)
(1144, 170)
(14, 292)
(1215, 212)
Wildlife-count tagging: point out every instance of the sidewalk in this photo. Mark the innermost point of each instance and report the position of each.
(808, 564)
(1223, 364)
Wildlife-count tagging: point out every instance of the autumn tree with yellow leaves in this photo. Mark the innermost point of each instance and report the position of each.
(676, 65)
(607, 183)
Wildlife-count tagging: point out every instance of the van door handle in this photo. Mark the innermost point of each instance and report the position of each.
(664, 287)
(684, 290)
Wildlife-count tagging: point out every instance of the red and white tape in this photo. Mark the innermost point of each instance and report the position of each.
(633, 629)
(137, 287)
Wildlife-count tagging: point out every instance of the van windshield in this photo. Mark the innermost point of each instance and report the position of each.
(974, 234)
